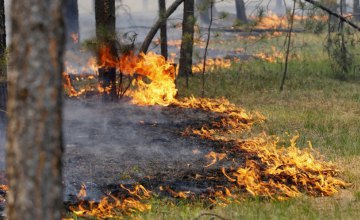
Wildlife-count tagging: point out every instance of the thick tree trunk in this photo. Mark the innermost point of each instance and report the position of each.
(163, 31)
(72, 21)
(240, 11)
(34, 146)
(356, 10)
(106, 34)
(187, 41)
(3, 69)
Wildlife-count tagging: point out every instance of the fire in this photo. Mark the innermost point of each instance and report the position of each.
(161, 74)
(75, 37)
(82, 193)
(214, 157)
(272, 21)
(113, 207)
(269, 170)
(152, 77)
(256, 164)
(273, 57)
(212, 64)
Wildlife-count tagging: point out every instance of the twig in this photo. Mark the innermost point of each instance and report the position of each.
(206, 49)
(288, 47)
(210, 214)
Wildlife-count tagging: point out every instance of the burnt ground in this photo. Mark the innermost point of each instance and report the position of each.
(108, 144)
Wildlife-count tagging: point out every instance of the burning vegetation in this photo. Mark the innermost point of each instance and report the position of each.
(242, 163)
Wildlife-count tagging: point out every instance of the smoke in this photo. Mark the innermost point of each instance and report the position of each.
(112, 143)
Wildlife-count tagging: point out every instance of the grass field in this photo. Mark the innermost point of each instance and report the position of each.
(314, 103)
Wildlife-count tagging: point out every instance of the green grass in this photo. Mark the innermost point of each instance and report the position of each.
(299, 208)
(321, 108)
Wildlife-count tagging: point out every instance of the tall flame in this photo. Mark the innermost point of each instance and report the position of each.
(153, 77)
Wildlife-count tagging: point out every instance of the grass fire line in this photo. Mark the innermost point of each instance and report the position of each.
(251, 166)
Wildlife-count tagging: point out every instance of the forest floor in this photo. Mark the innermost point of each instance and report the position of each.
(315, 103)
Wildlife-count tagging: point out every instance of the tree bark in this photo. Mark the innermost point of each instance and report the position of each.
(3, 66)
(147, 41)
(72, 21)
(240, 11)
(34, 132)
(356, 10)
(163, 31)
(187, 40)
(106, 34)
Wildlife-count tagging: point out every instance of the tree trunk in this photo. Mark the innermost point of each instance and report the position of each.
(240, 11)
(72, 21)
(34, 134)
(163, 31)
(187, 41)
(105, 34)
(3, 69)
(356, 10)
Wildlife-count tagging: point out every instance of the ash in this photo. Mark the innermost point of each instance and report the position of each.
(111, 143)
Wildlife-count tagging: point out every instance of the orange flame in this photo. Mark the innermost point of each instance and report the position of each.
(112, 207)
(215, 157)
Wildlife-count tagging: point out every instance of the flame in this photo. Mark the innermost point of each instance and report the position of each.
(161, 73)
(212, 64)
(82, 193)
(215, 157)
(271, 21)
(68, 87)
(259, 166)
(75, 37)
(273, 57)
(274, 21)
(112, 207)
(153, 76)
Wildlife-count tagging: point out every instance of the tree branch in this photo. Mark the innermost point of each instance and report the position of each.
(342, 18)
(144, 47)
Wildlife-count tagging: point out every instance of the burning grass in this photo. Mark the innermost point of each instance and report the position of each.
(125, 203)
(241, 165)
